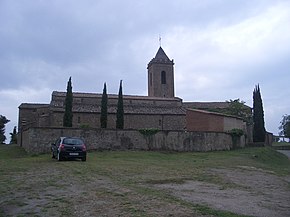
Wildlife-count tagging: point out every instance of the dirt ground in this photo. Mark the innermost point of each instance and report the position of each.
(243, 190)
(254, 192)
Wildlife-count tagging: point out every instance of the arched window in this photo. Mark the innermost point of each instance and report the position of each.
(163, 77)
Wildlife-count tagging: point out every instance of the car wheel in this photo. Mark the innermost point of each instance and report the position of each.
(59, 158)
(84, 158)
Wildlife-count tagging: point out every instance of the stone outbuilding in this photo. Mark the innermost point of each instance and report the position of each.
(200, 120)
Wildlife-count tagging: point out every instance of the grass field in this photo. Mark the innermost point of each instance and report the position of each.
(123, 183)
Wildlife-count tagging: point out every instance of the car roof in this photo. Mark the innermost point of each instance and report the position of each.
(69, 137)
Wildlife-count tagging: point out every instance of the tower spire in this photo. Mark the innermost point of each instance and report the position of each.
(161, 75)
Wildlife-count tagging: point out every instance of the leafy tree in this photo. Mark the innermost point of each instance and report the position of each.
(120, 110)
(258, 116)
(3, 121)
(104, 108)
(285, 126)
(239, 109)
(13, 139)
(68, 115)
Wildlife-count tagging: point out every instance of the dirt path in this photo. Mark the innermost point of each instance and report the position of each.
(251, 192)
(286, 152)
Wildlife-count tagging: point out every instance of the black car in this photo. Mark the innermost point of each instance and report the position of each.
(68, 148)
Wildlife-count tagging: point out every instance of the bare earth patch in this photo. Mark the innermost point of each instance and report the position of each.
(251, 192)
(51, 193)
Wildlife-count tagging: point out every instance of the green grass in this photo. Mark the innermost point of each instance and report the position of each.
(132, 170)
(11, 152)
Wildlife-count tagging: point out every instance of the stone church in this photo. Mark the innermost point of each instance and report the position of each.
(160, 109)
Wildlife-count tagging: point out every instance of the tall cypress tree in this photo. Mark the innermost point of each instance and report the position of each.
(3, 121)
(13, 135)
(68, 115)
(258, 116)
(120, 109)
(104, 108)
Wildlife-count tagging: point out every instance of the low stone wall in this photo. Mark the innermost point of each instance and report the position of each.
(38, 140)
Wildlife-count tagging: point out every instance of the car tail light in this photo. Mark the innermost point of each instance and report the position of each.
(84, 148)
(61, 147)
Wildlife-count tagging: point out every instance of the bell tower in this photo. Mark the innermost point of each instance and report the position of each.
(161, 76)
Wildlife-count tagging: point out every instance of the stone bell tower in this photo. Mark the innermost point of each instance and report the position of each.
(161, 76)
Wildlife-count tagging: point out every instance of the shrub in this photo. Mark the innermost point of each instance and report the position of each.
(236, 132)
(85, 126)
(149, 131)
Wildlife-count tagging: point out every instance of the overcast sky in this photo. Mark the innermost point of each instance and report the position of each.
(221, 49)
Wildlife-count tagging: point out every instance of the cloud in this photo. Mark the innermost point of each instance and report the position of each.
(11, 98)
(247, 49)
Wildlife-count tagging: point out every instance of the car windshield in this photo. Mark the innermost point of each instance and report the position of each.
(72, 141)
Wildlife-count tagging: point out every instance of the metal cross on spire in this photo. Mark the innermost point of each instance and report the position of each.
(160, 40)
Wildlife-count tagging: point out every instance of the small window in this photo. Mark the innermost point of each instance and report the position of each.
(163, 77)
(79, 119)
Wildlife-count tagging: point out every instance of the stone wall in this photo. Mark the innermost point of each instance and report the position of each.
(38, 140)
(131, 121)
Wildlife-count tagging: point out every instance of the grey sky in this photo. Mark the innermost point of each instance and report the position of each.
(221, 49)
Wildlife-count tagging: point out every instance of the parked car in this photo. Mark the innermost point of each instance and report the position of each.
(68, 148)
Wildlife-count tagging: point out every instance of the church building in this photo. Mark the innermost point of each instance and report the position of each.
(160, 109)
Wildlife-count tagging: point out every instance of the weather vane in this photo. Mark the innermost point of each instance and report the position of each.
(159, 40)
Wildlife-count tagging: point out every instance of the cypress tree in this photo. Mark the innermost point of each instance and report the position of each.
(285, 126)
(3, 121)
(104, 108)
(13, 135)
(258, 116)
(120, 109)
(68, 115)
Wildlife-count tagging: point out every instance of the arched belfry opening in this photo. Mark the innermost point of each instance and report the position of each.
(161, 76)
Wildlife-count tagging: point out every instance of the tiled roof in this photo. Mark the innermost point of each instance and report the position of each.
(115, 96)
(214, 113)
(33, 105)
(128, 109)
(160, 58)
(161, 55)
(76, 94)
(206, 105)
